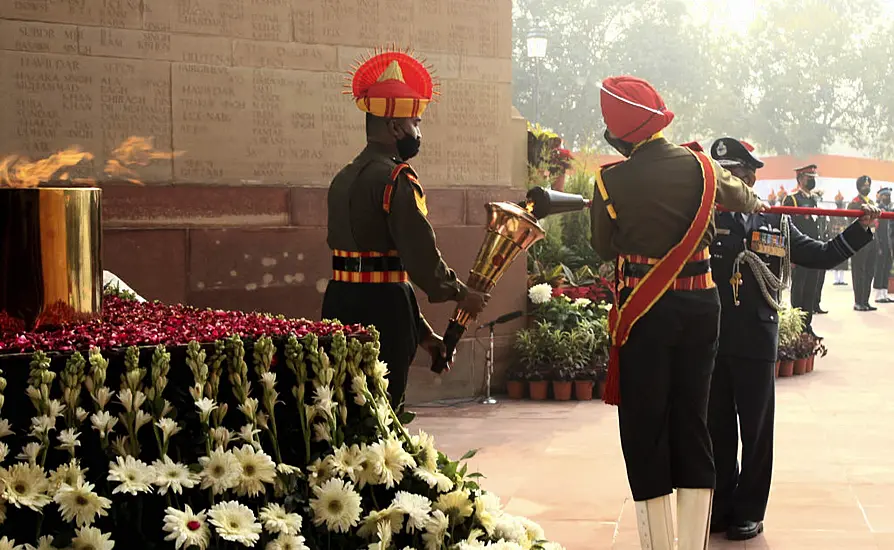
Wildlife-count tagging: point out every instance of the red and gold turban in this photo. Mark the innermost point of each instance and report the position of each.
(392, 84)
(632, 109)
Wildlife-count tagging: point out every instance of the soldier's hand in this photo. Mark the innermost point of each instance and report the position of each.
(434, 345)
(474, 302)
(870, 214)
(761, 207)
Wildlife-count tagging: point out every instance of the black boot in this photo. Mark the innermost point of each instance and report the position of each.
(745, 530)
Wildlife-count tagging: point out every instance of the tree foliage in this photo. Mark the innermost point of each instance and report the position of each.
(804, 75)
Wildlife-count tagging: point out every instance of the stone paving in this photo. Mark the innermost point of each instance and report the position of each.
(833, 488)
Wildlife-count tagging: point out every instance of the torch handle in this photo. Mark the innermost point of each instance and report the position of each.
(832, 212)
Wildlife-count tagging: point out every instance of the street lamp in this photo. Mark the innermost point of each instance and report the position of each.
(537, 43)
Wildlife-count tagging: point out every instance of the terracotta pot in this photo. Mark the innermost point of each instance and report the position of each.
(515, 389)
(600, 389)
(891, 285)
(810, 361)
(559, 184)
(538, 390)
(562, 390)
(786, 368)
(583, 390)
(800, 366)
(778, 364)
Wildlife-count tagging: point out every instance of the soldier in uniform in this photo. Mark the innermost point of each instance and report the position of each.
(837, 225)
(863, 264)
(884, 259)
(751, 257)
(805, 281)
(655, 221)
(380, 237)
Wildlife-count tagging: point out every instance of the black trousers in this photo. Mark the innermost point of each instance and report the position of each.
(820, 283)
(392, 309)
(805, 283)
(862, 272)
(665, 381)
(882, 267)
(742, 400)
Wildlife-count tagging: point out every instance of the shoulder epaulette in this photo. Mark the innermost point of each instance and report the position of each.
(407, 170)
(611, 164)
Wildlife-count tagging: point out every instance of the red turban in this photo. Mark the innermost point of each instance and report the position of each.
(632, 109)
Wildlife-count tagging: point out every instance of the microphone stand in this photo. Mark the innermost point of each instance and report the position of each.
(489, 358)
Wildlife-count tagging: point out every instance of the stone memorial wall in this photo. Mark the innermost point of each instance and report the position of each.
(249, 93)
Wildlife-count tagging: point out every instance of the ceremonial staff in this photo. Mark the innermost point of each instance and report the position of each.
(833, 212)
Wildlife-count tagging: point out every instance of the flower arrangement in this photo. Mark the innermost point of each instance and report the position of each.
(168, 426)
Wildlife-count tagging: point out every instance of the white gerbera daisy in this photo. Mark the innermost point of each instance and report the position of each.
(257, 469)
(220, 471)
(394, 459)
(540, 294)
(277, 520)
(67, 474)
(43, 543)
(456, 505)
(348, 461)
(134, 476)
(426, 454)
(173, 476)
(9, 544)
(435, 530)
(287, 542)
(80, 504)
(186, 528)
(90, 538)
(488, 511)
(235, 522)
(391, 516)
(25, 485)
(434, 478)
(416, 507)
(68, 440)
(319, 471)
(337, 505)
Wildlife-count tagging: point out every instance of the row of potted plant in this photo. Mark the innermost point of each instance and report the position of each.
(798, 350)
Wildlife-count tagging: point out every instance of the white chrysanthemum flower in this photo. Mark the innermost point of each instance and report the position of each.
(4, 428)
(336, 505)
(4, 451)
(416, 507)
(186, 528)
(68, 440)
(510, 529)
(391, 516)
(427, 454)
(359, 388)
(394, 461)
(505, 545)
(277, 520)
(257, 469)
(435, 529)
(456, 505)
(487, 511)
(434, 478)
(540, 294)
(168, 427)
(25, 485)
(205, 407)
(43, 543)
(348, 461)
(235, 522)
(30, 452)
(67, 474)
(173, 476)
(134, 476)
(103, 422)
(552, 546)
(81, 504)
(582, 302)
(287, 542)
(220, 471)
(533, 531)
(90, 538)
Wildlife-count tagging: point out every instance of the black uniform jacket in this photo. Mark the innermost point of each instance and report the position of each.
(808, 225)
(751, 329)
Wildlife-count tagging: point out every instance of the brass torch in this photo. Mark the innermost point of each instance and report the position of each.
(511, 229)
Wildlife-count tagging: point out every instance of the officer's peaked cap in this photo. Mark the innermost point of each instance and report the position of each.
(729, 151)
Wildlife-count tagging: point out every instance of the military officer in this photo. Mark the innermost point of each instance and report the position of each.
(655, 221)
(750, 258)
(380, 237)
(863, 264)
(884, 259)
(805, 281)
(837, 225)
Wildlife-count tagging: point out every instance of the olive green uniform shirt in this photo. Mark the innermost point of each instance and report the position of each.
(656, 194)
(358, 221)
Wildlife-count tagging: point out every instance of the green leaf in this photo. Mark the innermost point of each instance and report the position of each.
(406, 417)
(469, 454)
(476, 475)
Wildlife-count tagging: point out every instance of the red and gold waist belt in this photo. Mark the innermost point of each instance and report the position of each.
(368, 267)
(695, 275)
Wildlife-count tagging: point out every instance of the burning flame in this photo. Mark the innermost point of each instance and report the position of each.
(20, 172)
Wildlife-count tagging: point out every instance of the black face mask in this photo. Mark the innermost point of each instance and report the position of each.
(408, 147)
(864, 191)
(619, 145)
(810, 184)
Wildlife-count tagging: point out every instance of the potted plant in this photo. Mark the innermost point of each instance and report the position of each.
(516, 379)
(791, 326)
(804, 348)
(534, 348)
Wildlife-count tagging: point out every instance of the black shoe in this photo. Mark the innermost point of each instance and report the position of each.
(885, 301)
(840, 284)
(860, 307)
(820, 311)
(745, 530)
(870, 308)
